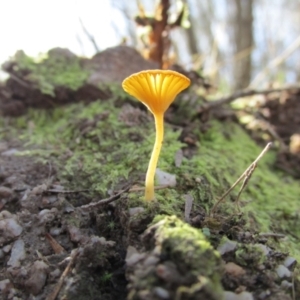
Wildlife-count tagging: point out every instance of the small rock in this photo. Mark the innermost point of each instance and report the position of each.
(7, 248)
(290, 262)
(264, 248)
(241, 296)
(286, 285)
(17, 254)
(168, 272)
(188, 207)
(234, 269)
(77, 236)
(178, 158)
(5, 286)
(38, 276)
(38, 190)
(47, 215)
(3, 146)
(164, 178)
(133, 256)
(9, 229)
(161, 293)
(283, 271)
(135, 210)
(151, 261)
(10, 152)
(56, 231)
(264, 295)
(5, 193)
(227, 246)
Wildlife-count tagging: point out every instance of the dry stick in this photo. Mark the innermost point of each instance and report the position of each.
(244, 184)
(105, 201)
(158, 187)
(252, 166)
(58, 286)
(241, 94)
(90, 37)
(54, 191)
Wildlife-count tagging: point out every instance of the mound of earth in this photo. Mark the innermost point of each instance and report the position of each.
(73, 220)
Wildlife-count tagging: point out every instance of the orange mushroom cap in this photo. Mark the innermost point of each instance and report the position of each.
(157, 89)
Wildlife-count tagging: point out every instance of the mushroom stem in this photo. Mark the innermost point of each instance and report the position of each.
(149, 183)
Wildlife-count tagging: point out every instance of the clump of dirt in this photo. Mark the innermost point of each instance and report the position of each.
(178, 263)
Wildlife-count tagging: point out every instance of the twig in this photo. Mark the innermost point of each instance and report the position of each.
(244, 175)
(293, 287)
(94, 205)
(158, 187)
(241, 94)
(90, 37)
(58, 286)
(244, 184)
(188, 207)
(272, 234)
(19, 80)
(57, 248)
(64, 192)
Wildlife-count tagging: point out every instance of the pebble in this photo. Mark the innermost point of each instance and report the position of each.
(264, 248)
(283, 271)
(234, 269)
(286, 285)
(241, 296)
(47, 215)
(161, 293)
(134, 258)
(10, 152)
(135, 210)
(37, 279)
(9, 228)
(17, 254)
(290, 262)
(5, 286)
(164, 178)
(227, 246)
(5, 192)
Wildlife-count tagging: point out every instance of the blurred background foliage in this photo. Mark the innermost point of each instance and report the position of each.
(235, 43)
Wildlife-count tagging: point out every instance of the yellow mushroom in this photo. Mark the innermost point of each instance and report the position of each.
(157, 89)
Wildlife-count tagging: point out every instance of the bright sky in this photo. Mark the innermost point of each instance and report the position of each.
(37, 26)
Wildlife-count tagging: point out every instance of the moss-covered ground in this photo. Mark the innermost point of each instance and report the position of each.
(100, 146)
(103, 146)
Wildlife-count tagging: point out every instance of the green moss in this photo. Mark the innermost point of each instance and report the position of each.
(98, 150)
(250, 254)
(52, 70)
(187, 246)
(195, 259)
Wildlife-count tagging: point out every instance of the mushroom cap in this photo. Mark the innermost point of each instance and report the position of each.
(157, 89)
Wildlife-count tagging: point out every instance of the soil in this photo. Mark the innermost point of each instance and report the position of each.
(55, 245)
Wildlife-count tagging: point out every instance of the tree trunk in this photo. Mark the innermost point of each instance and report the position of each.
(243, 41)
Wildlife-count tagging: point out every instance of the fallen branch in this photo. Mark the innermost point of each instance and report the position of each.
(240, 94)
(94, 205)
(61, 280)
(246, 176)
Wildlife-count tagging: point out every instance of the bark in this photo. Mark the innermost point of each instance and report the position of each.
(243, 42)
